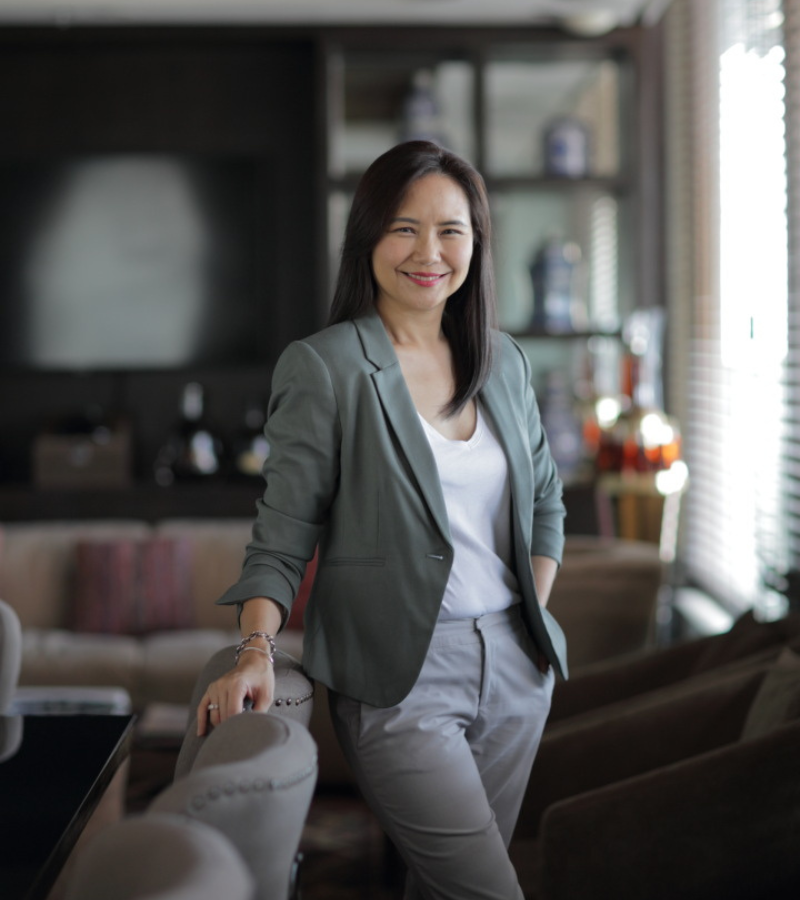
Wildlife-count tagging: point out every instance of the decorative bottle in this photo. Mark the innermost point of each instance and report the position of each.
(251, 447)
(422, 118)
(554, 272)
(193, 450)
(566, 148)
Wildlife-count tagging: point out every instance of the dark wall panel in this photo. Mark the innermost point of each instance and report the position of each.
(207, 93)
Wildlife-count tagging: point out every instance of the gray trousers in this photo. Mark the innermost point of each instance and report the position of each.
(446, 769)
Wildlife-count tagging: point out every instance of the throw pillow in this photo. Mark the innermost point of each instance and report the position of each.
(132, 587)
(778, 698)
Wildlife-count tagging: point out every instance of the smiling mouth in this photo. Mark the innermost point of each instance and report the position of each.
(424, 278)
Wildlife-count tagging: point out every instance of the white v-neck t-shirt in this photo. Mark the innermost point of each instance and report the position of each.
(475, 484)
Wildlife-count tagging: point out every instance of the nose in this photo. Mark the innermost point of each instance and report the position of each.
(428, 247)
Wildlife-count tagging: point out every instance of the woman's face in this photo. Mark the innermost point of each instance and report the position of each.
(424, 256)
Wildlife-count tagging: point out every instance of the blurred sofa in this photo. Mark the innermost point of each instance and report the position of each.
(131, 604)
(122, 603)
(52, 573)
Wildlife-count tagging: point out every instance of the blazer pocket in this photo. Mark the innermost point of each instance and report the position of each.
(355, 561)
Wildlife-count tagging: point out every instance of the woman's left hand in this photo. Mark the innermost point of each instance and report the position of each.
(252, 678)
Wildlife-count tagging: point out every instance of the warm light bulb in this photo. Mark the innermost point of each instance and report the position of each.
(672, 480)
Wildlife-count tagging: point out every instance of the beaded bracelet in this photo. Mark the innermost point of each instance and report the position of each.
(257, 634)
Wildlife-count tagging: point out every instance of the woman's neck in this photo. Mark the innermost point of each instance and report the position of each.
(412, 329)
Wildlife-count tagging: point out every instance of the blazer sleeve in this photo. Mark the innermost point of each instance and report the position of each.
(547, 536)
(301, 474)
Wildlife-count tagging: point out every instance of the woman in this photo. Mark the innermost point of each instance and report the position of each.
(406, 445)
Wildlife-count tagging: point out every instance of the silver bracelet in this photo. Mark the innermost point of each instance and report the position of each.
(257, 634)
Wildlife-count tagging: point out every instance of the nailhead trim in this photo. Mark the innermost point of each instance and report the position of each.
(289, 701)
(200, 801)
(289, 780)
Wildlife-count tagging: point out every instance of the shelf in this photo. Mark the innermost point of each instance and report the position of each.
(604, 184)
(149, 503)
(538, 334)
(144, 501)
(496, 100)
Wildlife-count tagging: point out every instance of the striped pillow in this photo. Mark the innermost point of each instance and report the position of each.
(132, 586)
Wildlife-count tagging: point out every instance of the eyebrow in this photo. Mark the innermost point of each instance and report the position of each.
(416, 221)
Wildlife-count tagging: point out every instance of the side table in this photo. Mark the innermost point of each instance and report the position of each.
(51, 780)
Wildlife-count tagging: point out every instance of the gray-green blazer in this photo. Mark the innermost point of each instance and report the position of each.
(350, 470)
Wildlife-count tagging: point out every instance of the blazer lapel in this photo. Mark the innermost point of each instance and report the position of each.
(402, 415)
(507, 414)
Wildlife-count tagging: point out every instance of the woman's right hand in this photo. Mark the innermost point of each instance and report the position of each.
(253, 678)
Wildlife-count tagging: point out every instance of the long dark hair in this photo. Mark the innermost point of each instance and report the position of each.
(470, 313)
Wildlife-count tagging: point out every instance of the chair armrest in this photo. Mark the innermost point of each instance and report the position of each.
(623, 677)
(619, 679)
(722, 824)
(576, 756)
(10, 653)
(294, 698)
(253, 780)
(758, 662)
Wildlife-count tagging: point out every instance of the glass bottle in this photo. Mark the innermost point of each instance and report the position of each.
(251, 447)
(557, 307)
(193, 450)
(422, 117)
(566, 148)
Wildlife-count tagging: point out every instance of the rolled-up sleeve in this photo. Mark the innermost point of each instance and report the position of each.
(301, 476)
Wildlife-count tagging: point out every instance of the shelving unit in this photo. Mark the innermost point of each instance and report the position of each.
(498, 87)
(218, 499)
(497, 92)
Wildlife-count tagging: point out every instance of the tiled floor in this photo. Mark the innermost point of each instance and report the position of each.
(345, 855)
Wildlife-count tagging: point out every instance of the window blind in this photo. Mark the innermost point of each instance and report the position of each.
(730, 350)
(791, 467)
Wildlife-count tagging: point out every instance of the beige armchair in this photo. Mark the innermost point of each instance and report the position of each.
(10, 654)
(160, 857)
(294, 698)
(250, 781)
(253, 780)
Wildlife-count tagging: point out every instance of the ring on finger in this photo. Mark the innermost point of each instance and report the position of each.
(212, 706)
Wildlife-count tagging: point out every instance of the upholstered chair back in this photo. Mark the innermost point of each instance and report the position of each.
(253, 780)
(10, 654)
(160, 857)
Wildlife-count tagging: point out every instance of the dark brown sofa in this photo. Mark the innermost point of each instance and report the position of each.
(669, 777)
(679, 667)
